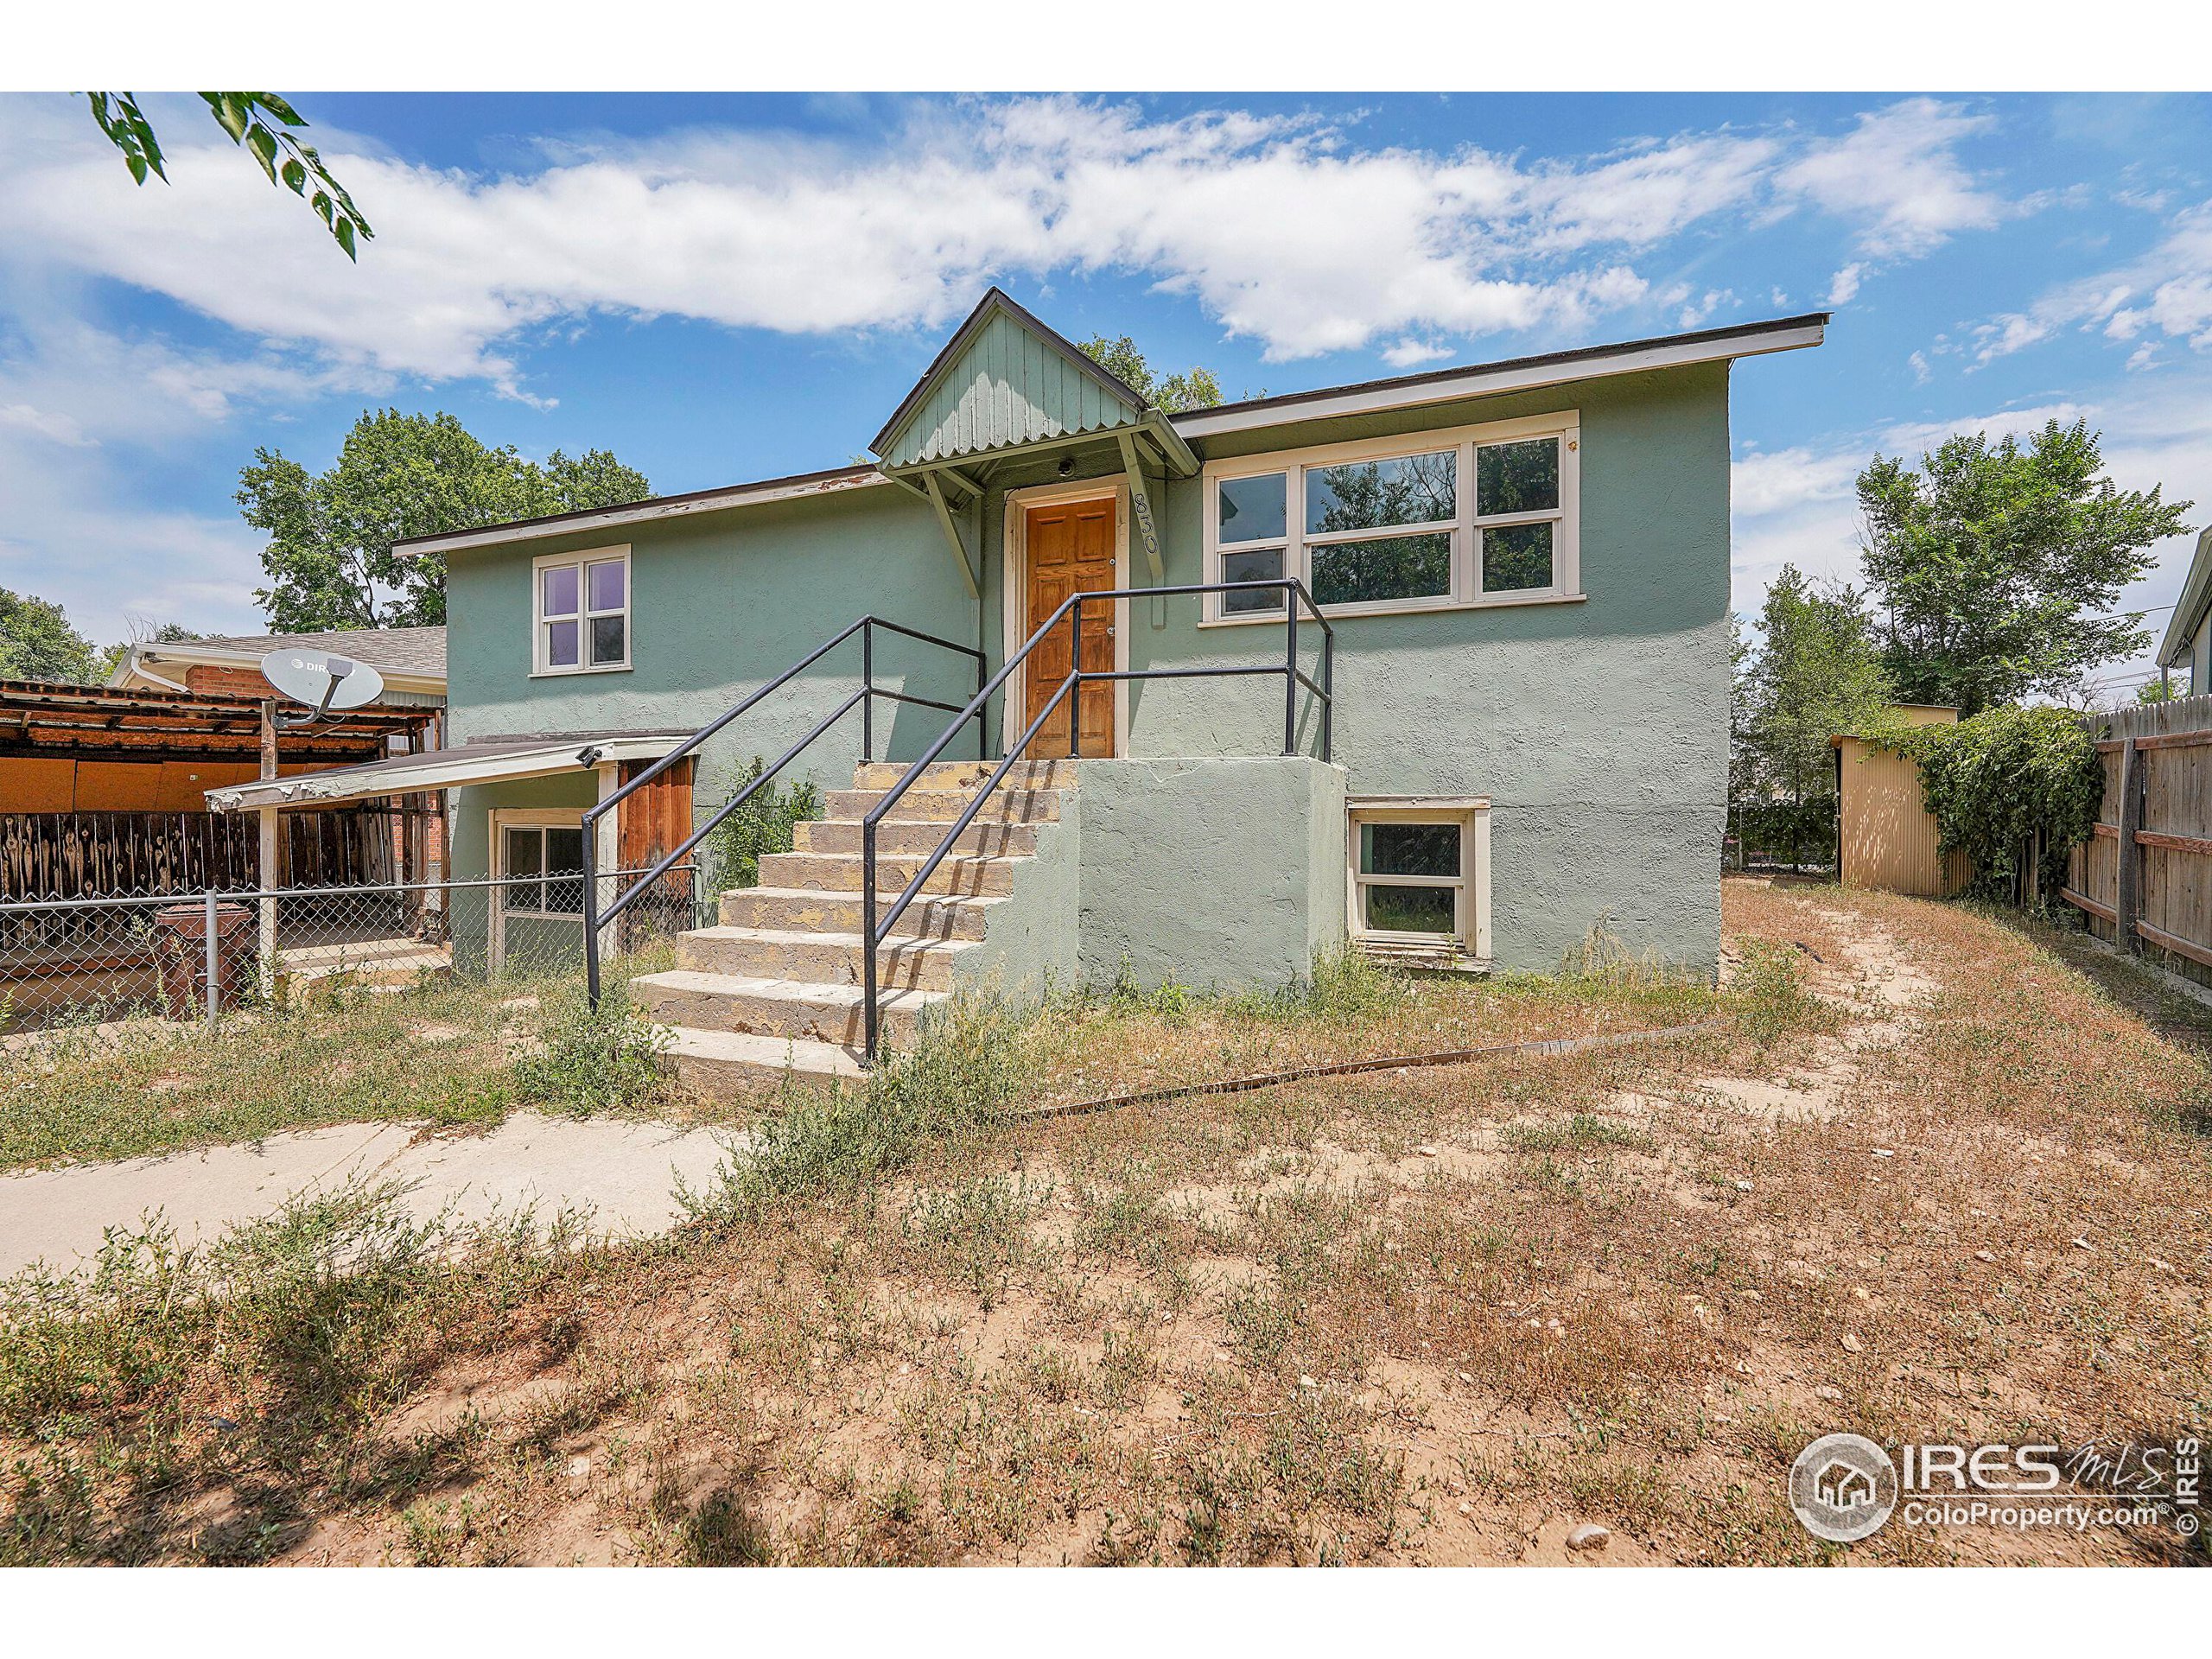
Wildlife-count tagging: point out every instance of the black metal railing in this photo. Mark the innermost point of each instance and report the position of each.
(596, 919)
(876, 930)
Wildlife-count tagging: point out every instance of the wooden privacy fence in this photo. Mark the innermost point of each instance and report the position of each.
(2144, 878)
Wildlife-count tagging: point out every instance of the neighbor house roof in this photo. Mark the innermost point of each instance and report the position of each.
(99, 722)
(413, 658)
(2189, 613)
(1366, 397)
(479, 761)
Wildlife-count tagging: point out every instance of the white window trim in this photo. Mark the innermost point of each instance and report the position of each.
(1466, 530)
(540, 668)
(1471, 935)
(502, 819)
(1014, 593)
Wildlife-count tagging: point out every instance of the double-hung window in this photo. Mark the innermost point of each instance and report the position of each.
(1420, 876)
(582, 611)
(1478, 515)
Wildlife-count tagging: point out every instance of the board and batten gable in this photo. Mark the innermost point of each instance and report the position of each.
(1598, 729)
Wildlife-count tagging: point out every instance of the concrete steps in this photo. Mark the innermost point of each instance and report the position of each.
(963, 873)
(813, 909)
(991, 840)
(818, 958)
(774, 988)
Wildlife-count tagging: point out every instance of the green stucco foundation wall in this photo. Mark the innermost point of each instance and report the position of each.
(1222, 874)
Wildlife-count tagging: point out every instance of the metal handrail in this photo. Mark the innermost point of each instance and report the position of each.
(873, 933)
(594, 920)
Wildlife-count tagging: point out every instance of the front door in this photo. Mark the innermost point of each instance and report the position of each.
(1071, 550)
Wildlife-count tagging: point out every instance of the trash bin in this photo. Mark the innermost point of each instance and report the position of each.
(180, 949)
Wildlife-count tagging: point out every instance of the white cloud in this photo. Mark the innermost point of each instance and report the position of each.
(1412, 353)
(56, 428)
(1843, 287)
(1280, 227)
(1898, 176)
(1918, 364)
(2164, 291)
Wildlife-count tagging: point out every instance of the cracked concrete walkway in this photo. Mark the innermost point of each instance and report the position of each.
(624, 1172)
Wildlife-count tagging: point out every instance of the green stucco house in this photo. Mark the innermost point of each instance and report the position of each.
(1492, 710)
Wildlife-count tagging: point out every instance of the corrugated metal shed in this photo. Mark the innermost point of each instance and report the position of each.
(1889, 835)
(1004, 380)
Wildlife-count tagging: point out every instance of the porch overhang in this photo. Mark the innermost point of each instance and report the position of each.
(485, 760)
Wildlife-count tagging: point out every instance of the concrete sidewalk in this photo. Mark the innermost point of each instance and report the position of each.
(624, 1172)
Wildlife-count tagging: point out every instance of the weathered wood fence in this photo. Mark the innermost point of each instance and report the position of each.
(107, 855)
(2144, 878)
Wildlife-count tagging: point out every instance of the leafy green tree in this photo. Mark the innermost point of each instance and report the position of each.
(329, 557)
(2164, 690)
(37, 643)
(1193, 388)
(1815, 672)
(1992, 565)
(266, 128)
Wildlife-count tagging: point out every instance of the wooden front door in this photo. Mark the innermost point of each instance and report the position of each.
(1071, 550)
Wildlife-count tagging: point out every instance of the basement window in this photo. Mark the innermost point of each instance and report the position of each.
(1480, 515)
(581, 605)
(1420, 875)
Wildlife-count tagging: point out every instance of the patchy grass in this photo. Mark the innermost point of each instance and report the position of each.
(1439, 1316)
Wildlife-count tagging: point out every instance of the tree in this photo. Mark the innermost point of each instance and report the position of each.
(329, 556)
(1195, 389)
(263, 125)
(1815, 672)
(1991, 565)
(37, 643)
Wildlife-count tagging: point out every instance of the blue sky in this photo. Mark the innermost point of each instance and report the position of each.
(724, 288)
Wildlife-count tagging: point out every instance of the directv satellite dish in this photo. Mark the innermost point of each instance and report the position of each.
(328, 684)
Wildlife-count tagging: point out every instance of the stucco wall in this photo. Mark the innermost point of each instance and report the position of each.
(1220, 873)
(720, 604)
(1214, 873)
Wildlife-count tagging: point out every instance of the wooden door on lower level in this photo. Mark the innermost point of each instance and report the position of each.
(1070, 550)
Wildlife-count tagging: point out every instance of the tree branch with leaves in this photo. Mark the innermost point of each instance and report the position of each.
(261, 124)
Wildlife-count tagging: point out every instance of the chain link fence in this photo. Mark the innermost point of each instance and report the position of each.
(194, 955)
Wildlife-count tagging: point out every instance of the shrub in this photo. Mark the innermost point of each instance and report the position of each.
(1770, 990)
(588, 1059)
(963, 1075)
(763, 825)
(1996, 780)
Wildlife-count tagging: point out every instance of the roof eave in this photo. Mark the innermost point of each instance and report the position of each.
(1519, 374)
(2189, 612)
(796, 487)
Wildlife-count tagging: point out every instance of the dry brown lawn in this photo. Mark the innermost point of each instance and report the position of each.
(1432, 1317)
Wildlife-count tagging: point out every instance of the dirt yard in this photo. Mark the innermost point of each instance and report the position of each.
(1955, 1188)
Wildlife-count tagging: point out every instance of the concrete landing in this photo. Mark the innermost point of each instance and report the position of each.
(624, 1172)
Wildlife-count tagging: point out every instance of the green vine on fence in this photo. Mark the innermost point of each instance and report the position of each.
(1994, 782)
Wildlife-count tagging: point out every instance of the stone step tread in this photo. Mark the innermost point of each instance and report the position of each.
(881, 774)
(906, 941)
(942, 805)
(840, 873)
(811, 993)
(750, 1051)
(815, 895)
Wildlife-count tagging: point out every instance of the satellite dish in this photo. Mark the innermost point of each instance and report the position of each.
(327, 683)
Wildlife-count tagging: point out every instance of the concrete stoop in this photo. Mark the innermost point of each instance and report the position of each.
(775, 988)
